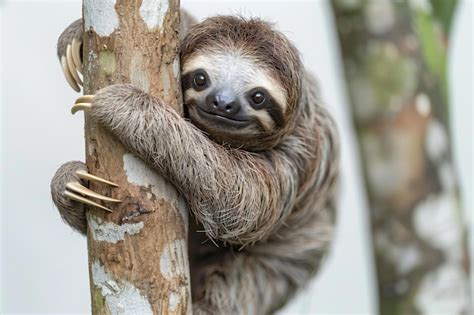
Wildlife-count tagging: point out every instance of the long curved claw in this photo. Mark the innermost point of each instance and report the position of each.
(68, 75)
(84, 99)
(77, 192)
(72, 66)
(76, 54)
(79, 198)
(78, 188)
(82, 103)
(80, 106)
(87, 176)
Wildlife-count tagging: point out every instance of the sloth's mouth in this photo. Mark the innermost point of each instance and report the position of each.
(222, 120)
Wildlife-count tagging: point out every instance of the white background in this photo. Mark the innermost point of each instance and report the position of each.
(44, 263)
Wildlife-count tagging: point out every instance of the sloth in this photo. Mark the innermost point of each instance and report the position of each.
(255, 157)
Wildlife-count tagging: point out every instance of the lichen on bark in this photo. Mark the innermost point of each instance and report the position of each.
(120, 47)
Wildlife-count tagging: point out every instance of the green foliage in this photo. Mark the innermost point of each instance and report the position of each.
(434, 52)
(433, 30)
(443, 11)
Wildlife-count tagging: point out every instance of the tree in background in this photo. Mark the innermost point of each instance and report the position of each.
(394, 56)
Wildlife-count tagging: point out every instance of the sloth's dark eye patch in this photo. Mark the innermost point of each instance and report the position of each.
(258, 98)
(200, 80)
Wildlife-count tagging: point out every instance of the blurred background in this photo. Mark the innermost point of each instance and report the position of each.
(396, 75)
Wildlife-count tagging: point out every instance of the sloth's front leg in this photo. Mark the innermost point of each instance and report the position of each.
(69, 192)
(239, 197)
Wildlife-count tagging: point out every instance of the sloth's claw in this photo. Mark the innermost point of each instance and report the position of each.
(80, 106)
(71, 65)
(78, 188)
(86, 201)
(73, 68)
(68, 75)
(87, 176)
(82, 103)
(76, 54)
(84, 99)
(77, 192)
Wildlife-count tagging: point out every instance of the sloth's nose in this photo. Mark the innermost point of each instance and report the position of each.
(223, 103)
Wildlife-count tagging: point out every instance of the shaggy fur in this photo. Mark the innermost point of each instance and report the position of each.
(271, 51)
(270, 208)
(72, 212)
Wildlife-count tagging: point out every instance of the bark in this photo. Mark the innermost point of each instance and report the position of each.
(394, 56)
(138, 254)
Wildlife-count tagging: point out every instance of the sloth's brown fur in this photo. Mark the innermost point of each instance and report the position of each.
(271, 211)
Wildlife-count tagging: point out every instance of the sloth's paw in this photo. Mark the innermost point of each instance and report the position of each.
(69, 186)
(71, 63)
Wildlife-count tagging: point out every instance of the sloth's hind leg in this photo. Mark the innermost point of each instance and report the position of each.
(241, 284)
(262, 278)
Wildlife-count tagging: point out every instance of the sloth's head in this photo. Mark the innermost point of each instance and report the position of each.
(241, 81)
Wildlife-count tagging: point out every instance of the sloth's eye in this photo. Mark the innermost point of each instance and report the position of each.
(200, 80)
(258, 98)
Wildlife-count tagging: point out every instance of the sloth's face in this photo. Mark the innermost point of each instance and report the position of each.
(232, 99)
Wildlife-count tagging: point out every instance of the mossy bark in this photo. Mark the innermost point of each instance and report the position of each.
(138, 253)
(394, 56)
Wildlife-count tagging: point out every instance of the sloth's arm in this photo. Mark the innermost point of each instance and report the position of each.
(239, 197)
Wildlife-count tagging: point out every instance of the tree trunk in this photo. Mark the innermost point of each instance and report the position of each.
(138, 261)
(394, 56)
